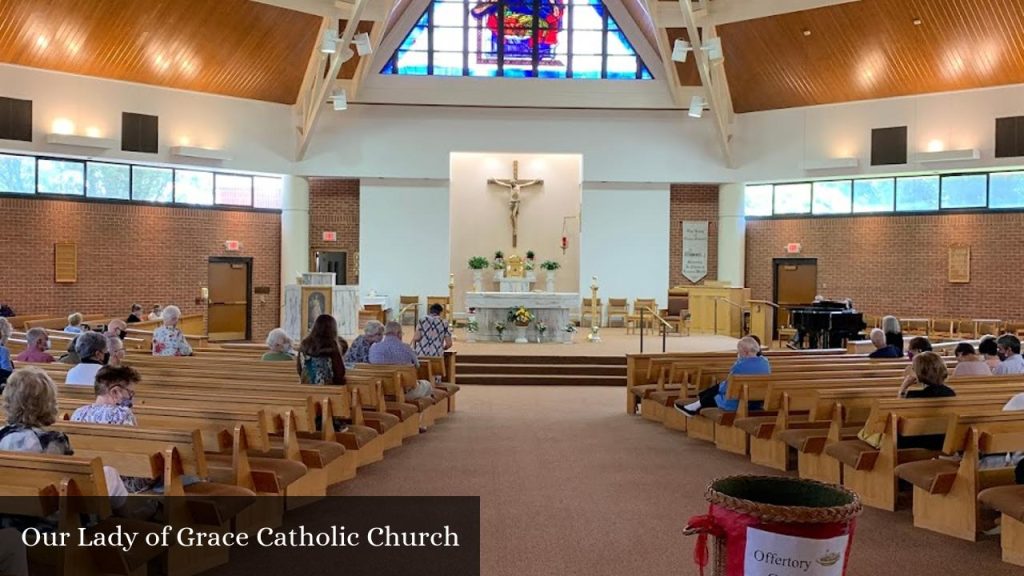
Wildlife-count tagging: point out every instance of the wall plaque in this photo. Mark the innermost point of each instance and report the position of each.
(959, 264)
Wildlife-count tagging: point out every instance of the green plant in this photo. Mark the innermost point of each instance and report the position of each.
(550, 265)
(499, 255)
(478, 263)
(529, 255)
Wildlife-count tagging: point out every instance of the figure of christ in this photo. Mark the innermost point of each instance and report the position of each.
(515, 186)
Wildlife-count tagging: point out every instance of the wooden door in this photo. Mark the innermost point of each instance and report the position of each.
(229, 311)
(796, 284)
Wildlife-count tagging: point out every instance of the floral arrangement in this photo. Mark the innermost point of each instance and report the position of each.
(541, 328)
(472, 325)
(520, 315)
(550, 265)
(570, 328)
(530, 255)
(499, 327)
(499, 260)
(478, 263)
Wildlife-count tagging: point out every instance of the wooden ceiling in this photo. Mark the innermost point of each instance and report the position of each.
(230, 47)
(873, 49)
(687, 71)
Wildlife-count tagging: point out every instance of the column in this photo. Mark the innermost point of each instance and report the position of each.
(732, 234)
(294, 231)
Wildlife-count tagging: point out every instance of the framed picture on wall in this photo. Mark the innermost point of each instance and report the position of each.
(316, 300)
(959, 264)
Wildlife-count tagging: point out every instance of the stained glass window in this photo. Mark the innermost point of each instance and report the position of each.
(518, 39)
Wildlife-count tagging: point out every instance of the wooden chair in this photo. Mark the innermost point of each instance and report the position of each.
(408, 305)
(647, 305)
(370, 312)
(585, 311)
(443, 301)
(945, 328)
(965, 328)
(617, 307)
(916, 326)
(987, 326)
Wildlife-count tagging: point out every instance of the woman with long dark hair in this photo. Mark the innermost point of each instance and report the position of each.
(319, 361)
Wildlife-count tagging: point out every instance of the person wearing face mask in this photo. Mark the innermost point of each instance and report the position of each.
(115, 388)
(92, 349)
(117, 329)
(1008, 347)
(36, 348)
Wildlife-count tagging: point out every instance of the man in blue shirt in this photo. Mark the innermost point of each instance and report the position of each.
(882, 348)
(747, 362)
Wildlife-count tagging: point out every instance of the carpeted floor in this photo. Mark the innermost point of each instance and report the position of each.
(570, 484)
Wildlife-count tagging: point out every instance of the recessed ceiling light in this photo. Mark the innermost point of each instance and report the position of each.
(917, 21)
(807, 31)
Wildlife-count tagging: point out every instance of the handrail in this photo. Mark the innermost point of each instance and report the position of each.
(664, 327)
(727, 301)
(768, 302)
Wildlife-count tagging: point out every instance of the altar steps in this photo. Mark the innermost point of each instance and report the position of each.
(541, 370)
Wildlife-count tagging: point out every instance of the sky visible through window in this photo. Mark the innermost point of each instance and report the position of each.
(519, 39)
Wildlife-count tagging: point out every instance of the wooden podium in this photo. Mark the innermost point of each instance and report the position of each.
(718, 310)
(762, 320)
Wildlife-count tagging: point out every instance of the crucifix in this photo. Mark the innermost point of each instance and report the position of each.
(515, 186)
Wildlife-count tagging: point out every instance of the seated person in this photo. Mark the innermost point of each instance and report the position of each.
(342, 346)
(359, 352)
(155, 313)
(392, 350)
(917, 345)
(319, 360)
(893, 332)
(168, 340)
(930, 374)
(92, 349)
(74, 324)
(968, 363)
(117, 329)
(115, 352)
(758, 340)
(38, 342)
(113, 406)
(136, 314)
(747, 362)
(882, 348)
(6, 365)
(279, 346)
(1008, 346)
(30, 402)
(987, 348)
(432, 336)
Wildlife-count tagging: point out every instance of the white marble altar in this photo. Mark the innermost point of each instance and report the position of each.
(318, 278)
(344, 308)
(551, 308)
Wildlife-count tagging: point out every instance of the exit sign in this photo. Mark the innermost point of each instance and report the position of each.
(330, 236)
(232, 245)
(793, 248)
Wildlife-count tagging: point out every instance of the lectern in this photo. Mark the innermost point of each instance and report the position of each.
(718, 309)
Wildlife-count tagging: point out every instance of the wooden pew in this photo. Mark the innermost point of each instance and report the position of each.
(68, 487)
(946, 491)
(170, 453)
(1009, 501)
(869, 471)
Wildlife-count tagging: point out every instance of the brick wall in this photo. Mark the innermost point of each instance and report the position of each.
(334, 207)
(898, 264)
(130, 253)
(692, 202)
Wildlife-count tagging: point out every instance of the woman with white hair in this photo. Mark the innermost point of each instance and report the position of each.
(279, 344)
(168, 339)
(74, 323)
(6, 365)
(359, 351)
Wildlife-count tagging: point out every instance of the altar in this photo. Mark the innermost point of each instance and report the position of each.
(551, 308)
(518, 285)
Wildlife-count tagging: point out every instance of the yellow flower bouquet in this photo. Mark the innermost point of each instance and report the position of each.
(520, 316)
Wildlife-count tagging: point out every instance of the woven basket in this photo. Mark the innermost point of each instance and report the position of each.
(776, 500)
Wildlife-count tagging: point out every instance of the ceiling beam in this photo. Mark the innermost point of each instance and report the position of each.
(671, 73)
(321, 87)
(322, 8)
(666, 12)
(715, 96)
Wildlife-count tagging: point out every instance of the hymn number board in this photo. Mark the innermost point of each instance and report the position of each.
(65, 263)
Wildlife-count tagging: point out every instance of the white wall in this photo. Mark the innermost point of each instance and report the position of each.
(625, 241)
(480, 215)
(258, 136)
(403, 238)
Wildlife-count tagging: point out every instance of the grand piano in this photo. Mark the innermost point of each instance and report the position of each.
(827, 324)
